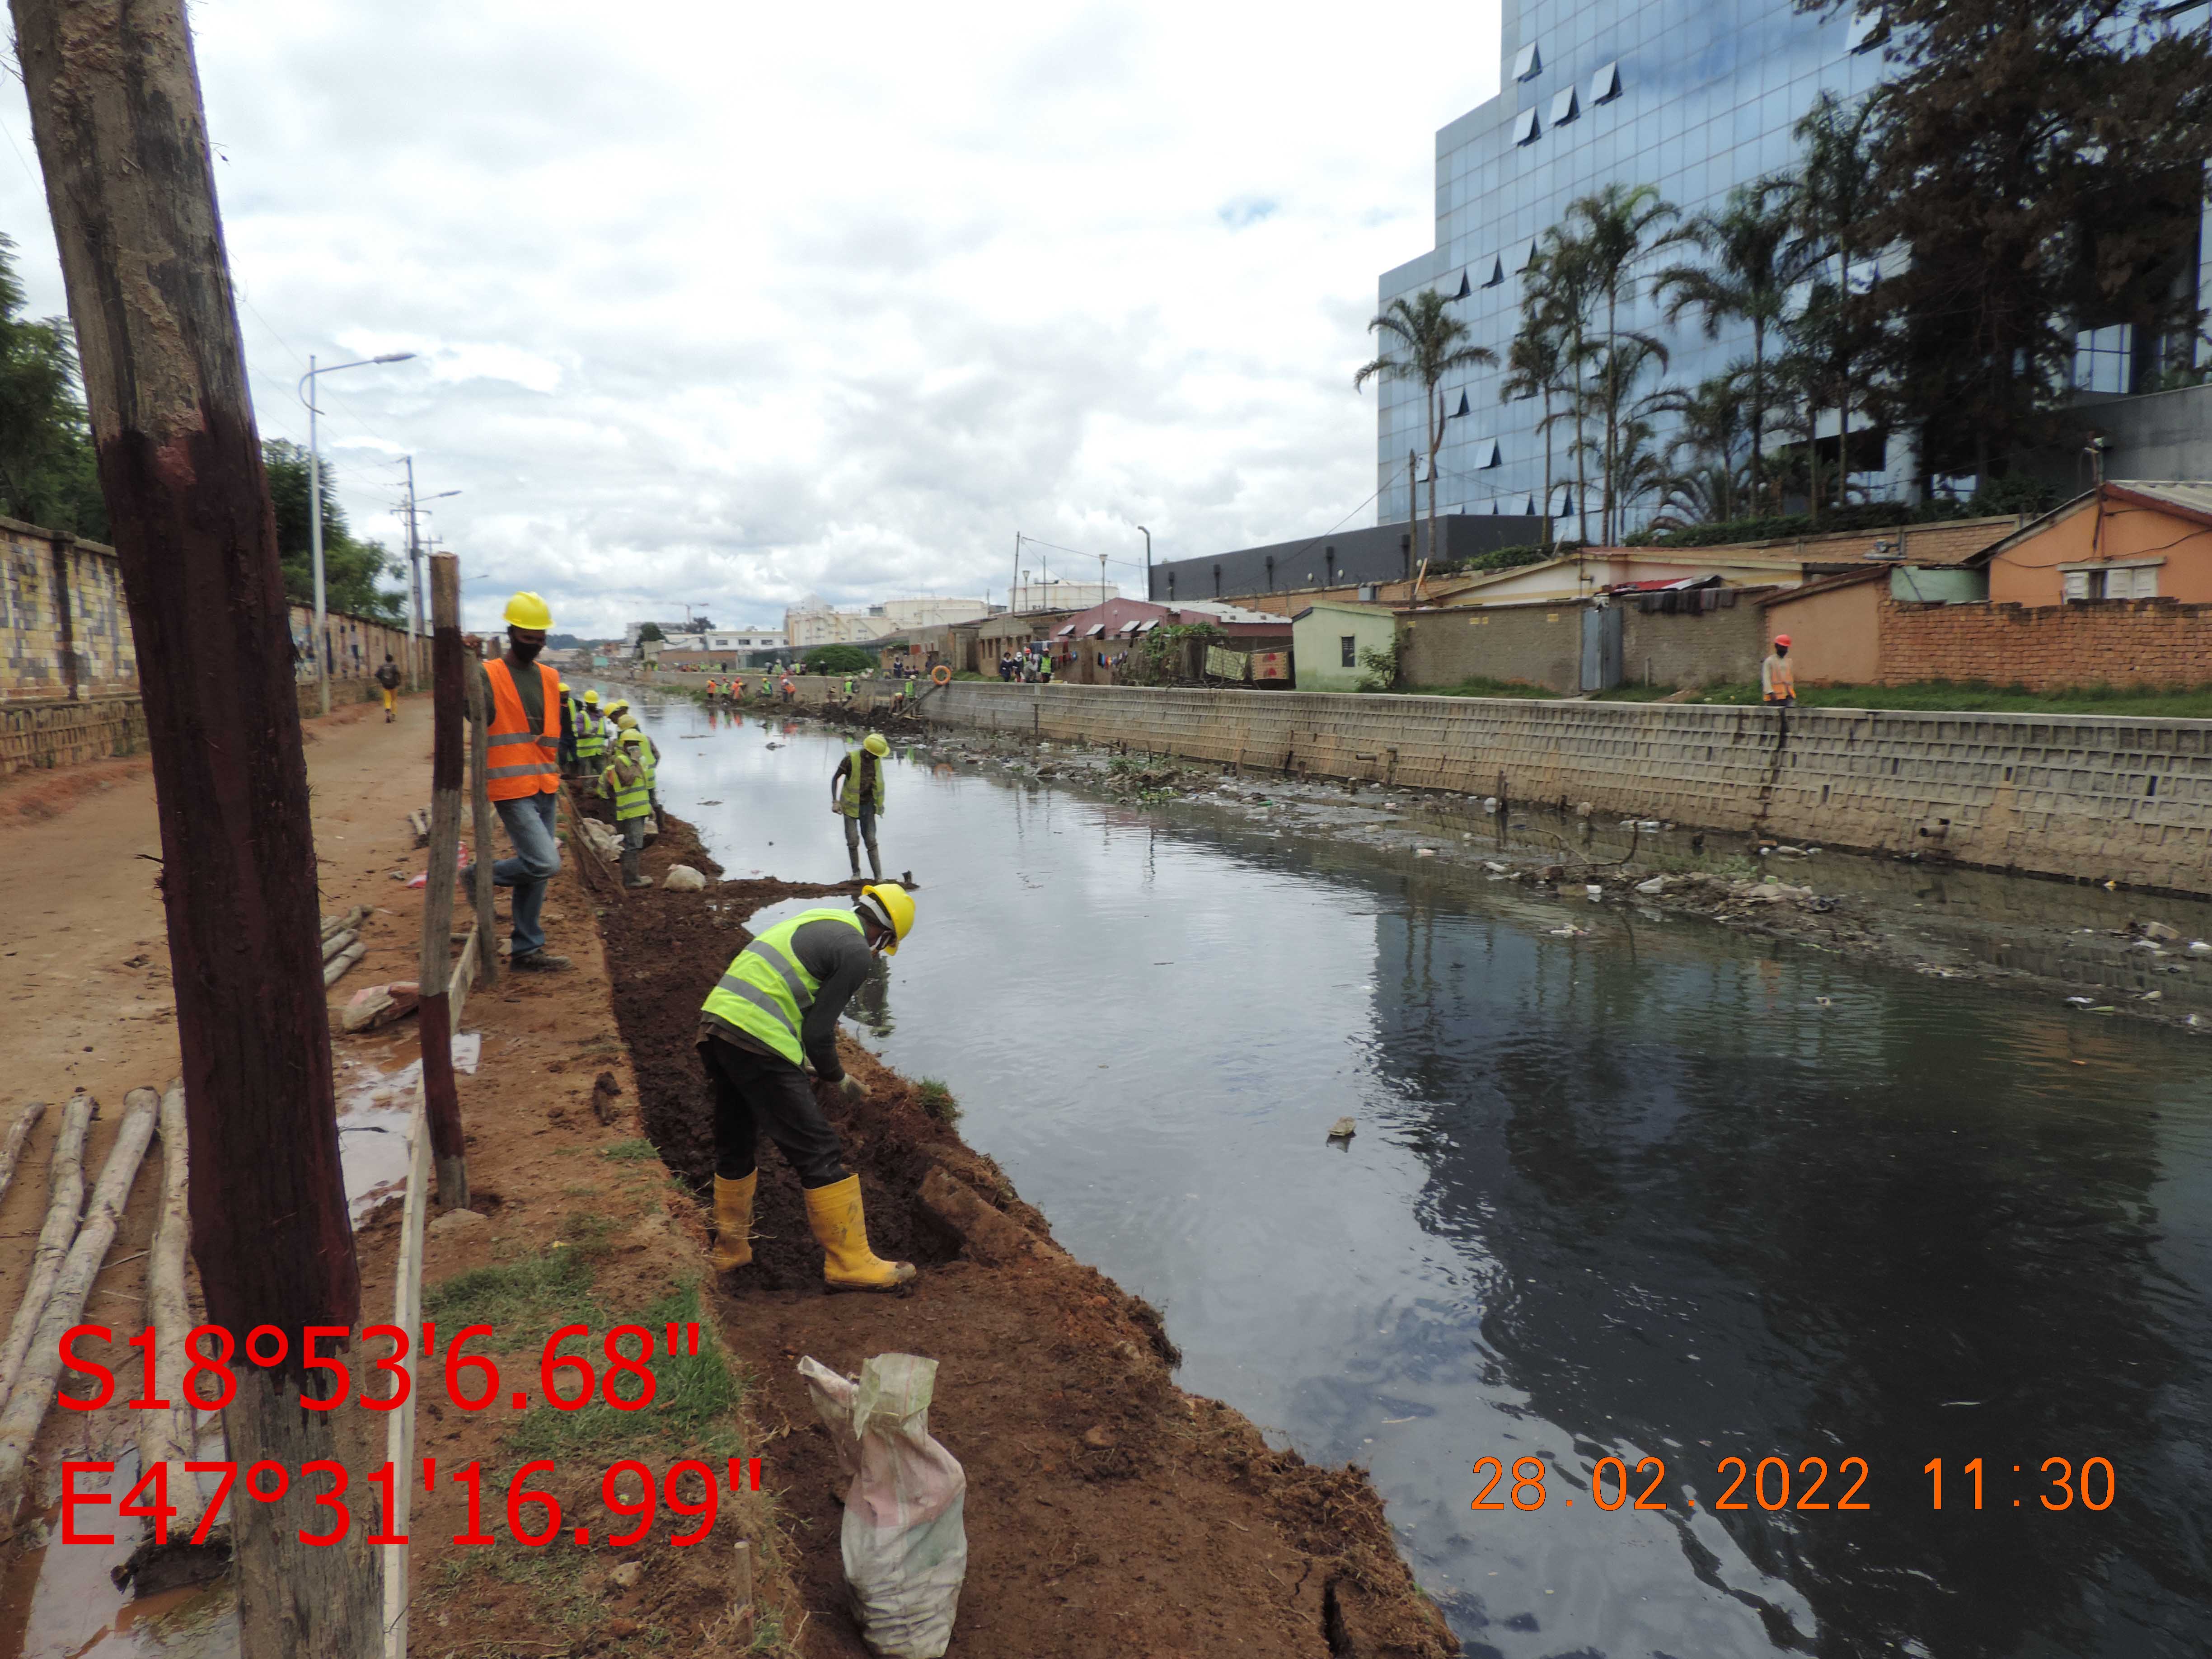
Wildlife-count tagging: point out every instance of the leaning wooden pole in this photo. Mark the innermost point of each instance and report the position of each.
(18, 1131)
(115, 108)
(480, 816)
(166, 1436)
(64, 1205)
(442, 1097)
(42, 1368)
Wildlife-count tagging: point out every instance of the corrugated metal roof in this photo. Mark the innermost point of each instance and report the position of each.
(2191, 496)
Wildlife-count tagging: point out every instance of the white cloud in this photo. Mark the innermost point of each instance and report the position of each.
(758, 301)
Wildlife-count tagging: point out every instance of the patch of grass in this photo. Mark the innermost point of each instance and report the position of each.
(527, 1300)
(694, 1400)
(556, 1578)
(937, 1100)
(1964, 696)
(1484, 687)
(631, 1151)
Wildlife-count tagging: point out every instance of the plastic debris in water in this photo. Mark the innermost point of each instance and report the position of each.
(1342, 1129)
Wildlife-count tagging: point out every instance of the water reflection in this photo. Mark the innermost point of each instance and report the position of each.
(1661, 1191)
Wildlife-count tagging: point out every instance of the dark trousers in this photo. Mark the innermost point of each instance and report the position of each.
(754, 1092)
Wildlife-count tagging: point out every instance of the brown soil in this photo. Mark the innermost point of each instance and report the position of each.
(1108, 1511)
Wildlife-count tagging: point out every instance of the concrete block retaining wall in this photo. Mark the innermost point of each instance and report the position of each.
(2075, 796)
(45, 734)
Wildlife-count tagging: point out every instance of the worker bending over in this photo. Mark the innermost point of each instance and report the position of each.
(1778, 680)
(775, 1009)
(856, 795)
(630, 786)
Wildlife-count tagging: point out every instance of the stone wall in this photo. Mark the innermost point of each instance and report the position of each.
(2074, 796)
(2048, 648)
(64, 634)
(1700, 647)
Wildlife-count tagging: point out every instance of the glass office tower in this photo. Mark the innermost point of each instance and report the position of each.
(1693, 96)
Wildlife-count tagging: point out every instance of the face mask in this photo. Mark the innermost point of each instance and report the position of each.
(524, 654)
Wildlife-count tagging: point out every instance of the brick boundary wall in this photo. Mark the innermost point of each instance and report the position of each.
(2048, 647)
(34, 735)
(2079, 797)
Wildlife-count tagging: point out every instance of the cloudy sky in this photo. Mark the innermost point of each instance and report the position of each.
(760, 301)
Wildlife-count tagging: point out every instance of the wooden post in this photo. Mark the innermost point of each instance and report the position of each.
(480, 814)
(18, 1133)
(122, 138)
(435, 1019)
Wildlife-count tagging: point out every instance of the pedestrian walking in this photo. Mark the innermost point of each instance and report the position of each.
(1778, 680)
(856, 795)
(522, 773)
(387, 676)
(775, 1011)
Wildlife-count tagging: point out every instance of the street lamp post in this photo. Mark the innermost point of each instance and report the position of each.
(414, 577)
(1148, 562)
(315, 499)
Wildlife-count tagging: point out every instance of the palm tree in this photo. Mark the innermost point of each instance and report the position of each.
(1557, 298)
(1617, 230)
(1710, 430)
(1756, 258)
(1835, 193)
(1426, 344)
(1535, 363)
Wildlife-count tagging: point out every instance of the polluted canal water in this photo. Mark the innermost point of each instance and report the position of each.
(1664, 1261)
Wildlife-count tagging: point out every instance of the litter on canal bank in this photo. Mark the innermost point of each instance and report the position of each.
(1108, 1511)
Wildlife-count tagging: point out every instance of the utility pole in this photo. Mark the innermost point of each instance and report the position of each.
(122, 138)
(315, 535)
(414, 577)
(1014, 593)
(1148, 562)
(1413, 520)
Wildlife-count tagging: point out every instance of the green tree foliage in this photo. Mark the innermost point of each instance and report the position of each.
(1753, 259)
(47, 474)
(650, 631)
(352, 569)
(839, 659)
(1424, 343)
(2044, 161)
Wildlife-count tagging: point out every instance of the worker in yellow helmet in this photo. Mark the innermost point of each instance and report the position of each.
(521, 697)
(630, 785)
(567, 728)
(774, 1011)
(856, 795)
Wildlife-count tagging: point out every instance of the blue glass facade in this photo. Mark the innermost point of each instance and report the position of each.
(1691, 96)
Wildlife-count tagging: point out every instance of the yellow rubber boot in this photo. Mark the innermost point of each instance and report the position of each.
(734, 1221)
(834, 1212)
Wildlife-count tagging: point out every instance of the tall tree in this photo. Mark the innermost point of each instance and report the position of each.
(352, 568)
(1755, 257)
(115, 109)
(1535, 365)
(1704, 454)
(1833, 197)
(46, 473)
(1426, 343)
(2044, 160)
(1557, 301)
(1617, 231)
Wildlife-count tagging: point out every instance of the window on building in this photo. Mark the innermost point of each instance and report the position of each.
(2104, 359)
(1604, 85)
(1527, 63)
(2116, 582)
(1869, 28)
(1347, 648)
(1525, 130)
(1565, 106)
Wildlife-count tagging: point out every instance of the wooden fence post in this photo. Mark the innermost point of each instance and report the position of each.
(480, 809)
(442, 1097)
(115, 106)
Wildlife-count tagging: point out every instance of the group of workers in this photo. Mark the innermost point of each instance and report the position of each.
(772, 1014)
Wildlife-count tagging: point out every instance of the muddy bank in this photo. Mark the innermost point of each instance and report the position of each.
(1108, 1512)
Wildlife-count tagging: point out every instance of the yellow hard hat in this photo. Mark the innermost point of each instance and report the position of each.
(628, 722)
(890, 904)
(874, 744)
(591, 696)
(564, 685)
(630, 734)
(528, 611)
(617, 705)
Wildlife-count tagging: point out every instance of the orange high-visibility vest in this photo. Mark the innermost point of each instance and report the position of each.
(519, 762)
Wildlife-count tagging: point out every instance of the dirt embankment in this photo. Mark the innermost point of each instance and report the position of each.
(1108, 1513)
